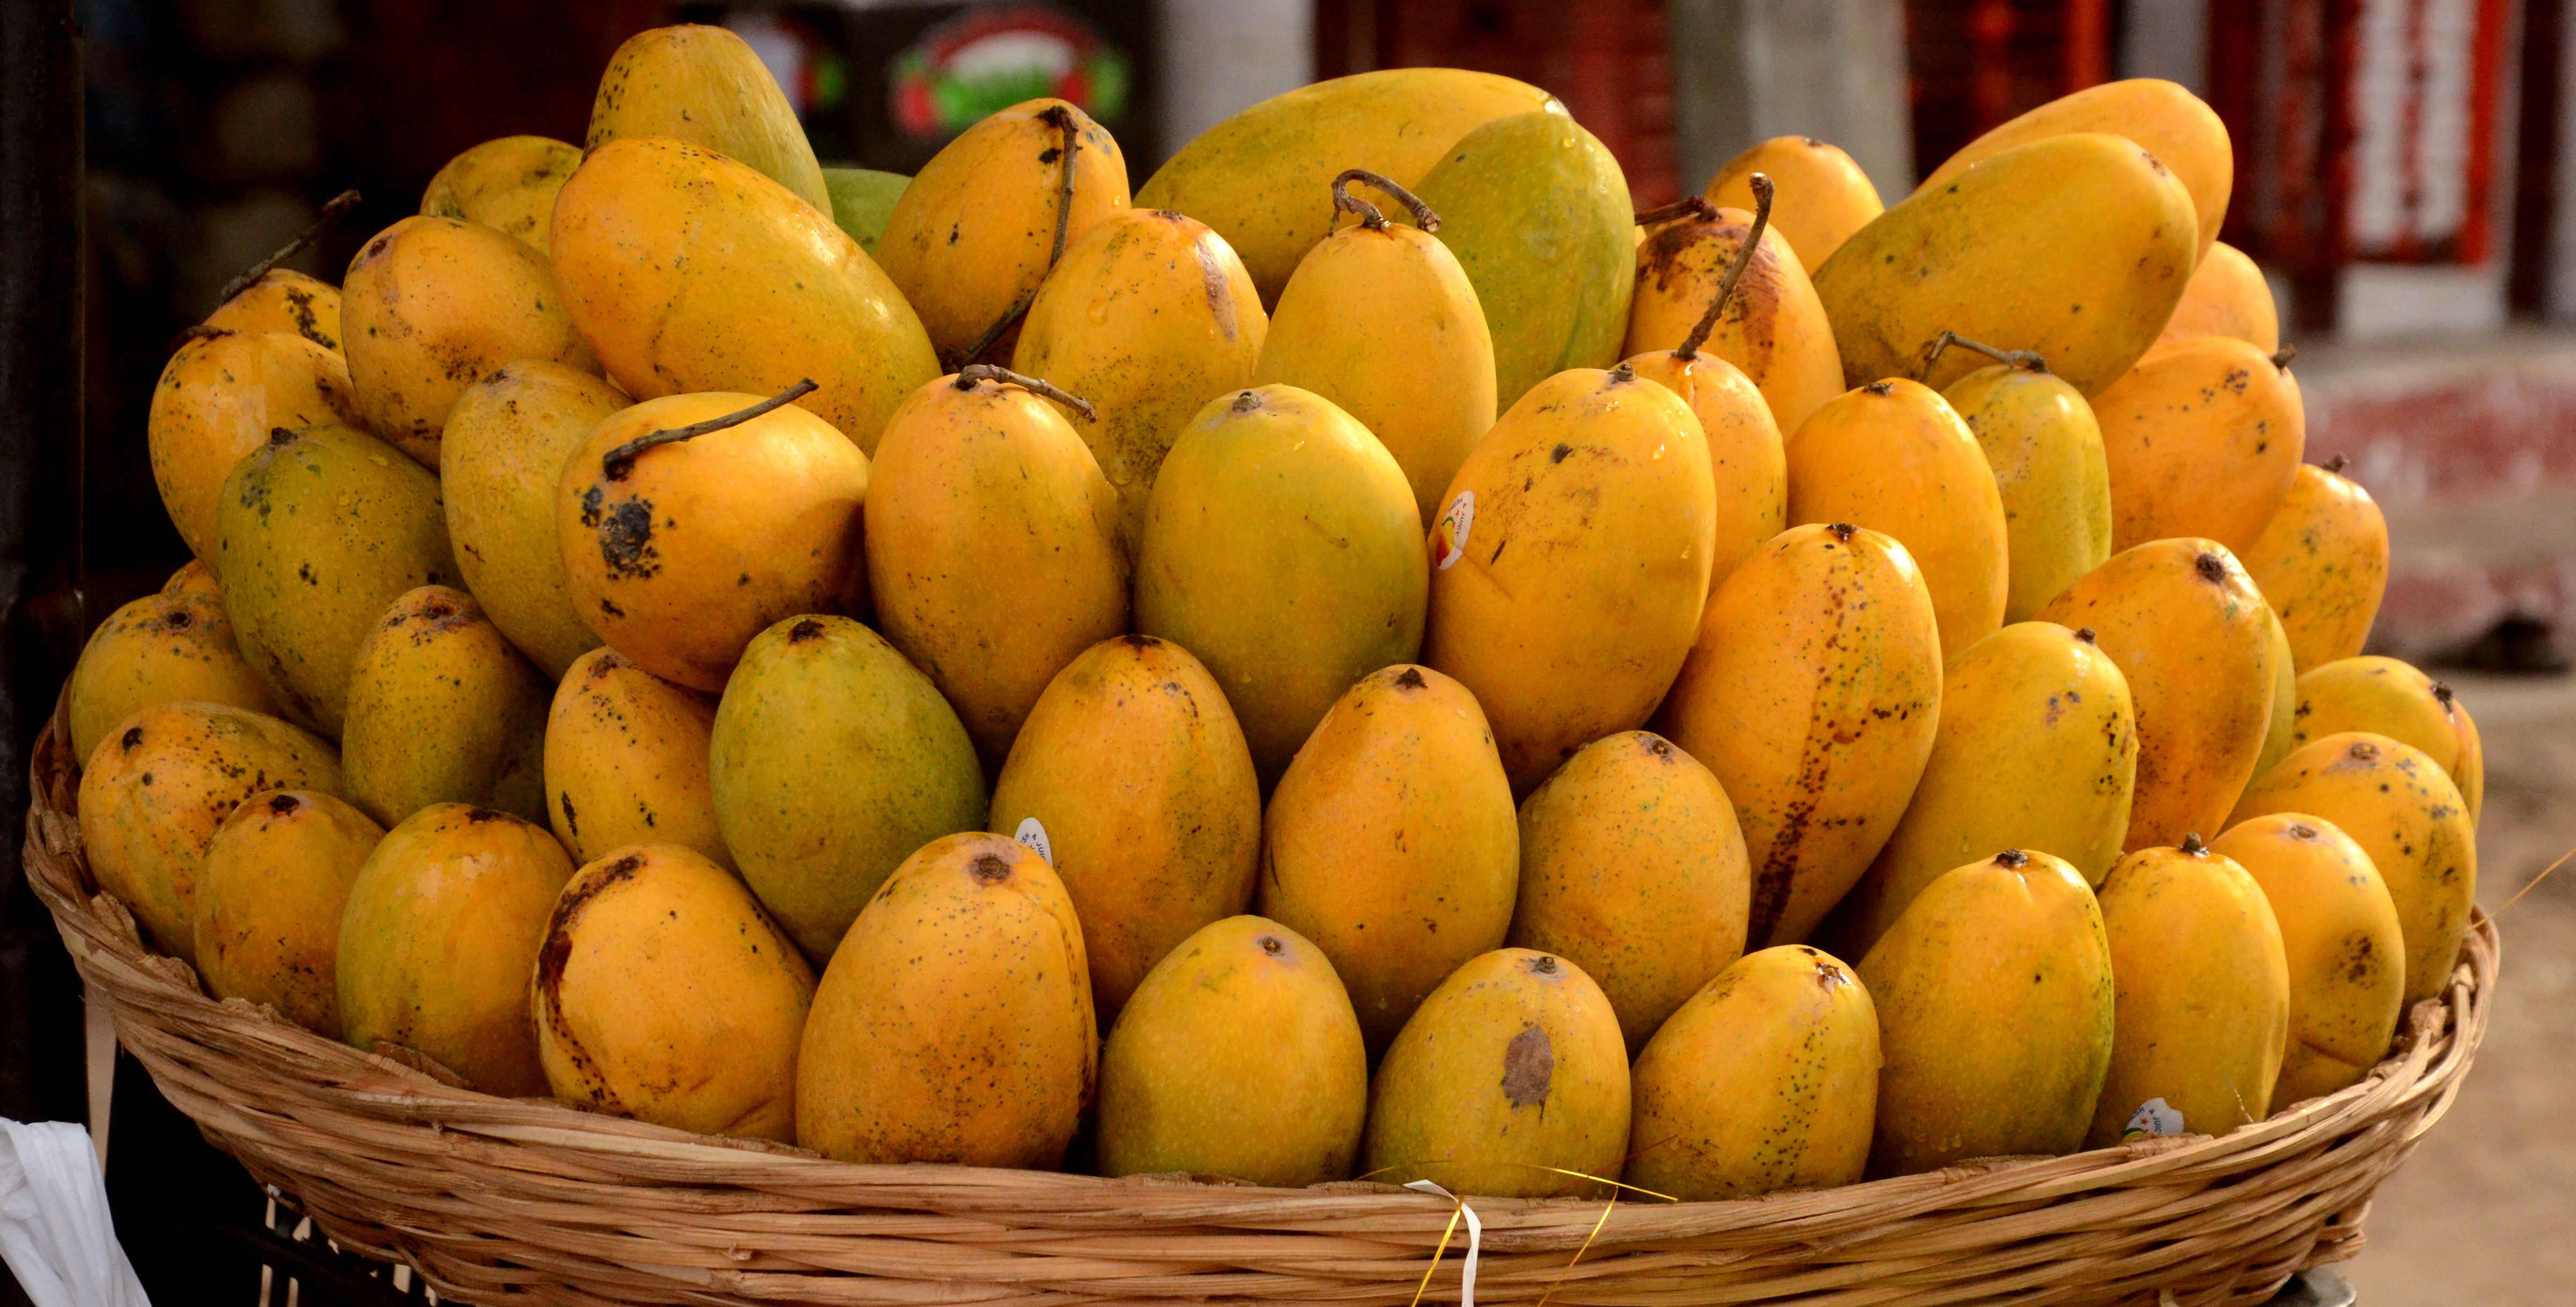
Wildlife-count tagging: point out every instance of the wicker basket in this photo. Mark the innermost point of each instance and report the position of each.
(525, 1201)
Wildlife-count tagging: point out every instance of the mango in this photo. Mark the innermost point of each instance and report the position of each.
(1632, 869)
(282, 299)
(1238, 1056)
(1255, 176)
(2341, 943)
(707, 87)
(2188, 630)
(1812, 694)
(2044, 447)
(269, 898)
(2397, 804)
(1979, 1061)
(863, 201)
(954, 1024)
(218, 399)
(648, 540)
(2387, 697)
(1767, 1079)
(161, 648)
(2322, 561)
(1149, 317)
(1824, 196)
(2204, 439)
(1392, 844)
(443, 710)
(992, 548)
(686, 271)
(2074, 246)
(1136, 779)
(319, 530)
(626, 761)
(1510, 1081)
(984, 220)
(1748, 470)
(2281, 734)
(1282, 548)
(507, 438)
(441, 935)
(1773, 326)
(831, 761)
(664, 993)
(194, 578)
(156, 792)
(2168, 121)
(2226, 296)
(508, 185)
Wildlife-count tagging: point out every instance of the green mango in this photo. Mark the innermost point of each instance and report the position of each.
(443, 710)
(862, 200)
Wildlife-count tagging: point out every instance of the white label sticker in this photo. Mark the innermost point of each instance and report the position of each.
(1450, 534)
(1034, 835)
(2153, 1117)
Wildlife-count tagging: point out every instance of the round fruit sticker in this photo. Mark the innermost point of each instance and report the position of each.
(1451, 531)
(1034, 835)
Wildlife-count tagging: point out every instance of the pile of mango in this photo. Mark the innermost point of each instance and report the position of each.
(1367, 658)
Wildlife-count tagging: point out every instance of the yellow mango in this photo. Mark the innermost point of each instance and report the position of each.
(1824, 196)
(1747, 467)
(1767, 1079)
(1282, 548)
(664, 993)
(1995, 1000)
(2168, 121)
(2397, 804)
(2322, 561)
(954, 1024)
(1812, 695)
(507, 438)
(1567, 630)
(976, 231)
(2281, 735)
(282, 299)
(154, 794)
(218, 399)
(440, 938)
(2204, 439)
(2190, 633)
(626, 761)
(161, 648)
(1773, 326)
(1149, 317)
(1392, 844)
(2387, 697)
(2341, 942)
(2074, 246)
(1136, 779)
(2044, 447)
(442, 710)
(992, 548)
(269, 898)
(707, 87)
(1238, 1056)
(687, 271)
(1632, 868)
(2226, 296)
(507, 184)
(1510, 1076)
(194, 578)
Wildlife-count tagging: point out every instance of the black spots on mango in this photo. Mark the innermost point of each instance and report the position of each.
(572, 823)
(1560, 453)
(989, 869)
(131, 740)
(625, 533)
(1529, 1064)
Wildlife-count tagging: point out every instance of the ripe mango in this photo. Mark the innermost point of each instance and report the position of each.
(831, 761)
(160, 648)
(2189, 632)
(1633, 869)
(1238, 1056)
(269, 898)
(2226, 296)
(283, 299)
(1767, 1079)
(1773, 327)
(2202, 988)
(2168, 121)
(506, 442)
(508, 185)
(2204, 439)
(1812, 694)
(954, 1024)
(218, 399)
(992, 549)
(2075, 246)
(1141, 787)
(318, 530)
(863, 201)
(156, 791)
(707, 87)
(626, 761)
(687, 271)
(664, 993)
(2044, 447)
(1282, 548)
(2397, 804)
(2281, 735)
(441, 935)
(1823, 196)
(194, 578)
(1995, 1002)
(2341, 942)
(1392, 844)
(1747, 467)
(443, 710)
(2322, 561)
(1510, 1081)
(2391, 698)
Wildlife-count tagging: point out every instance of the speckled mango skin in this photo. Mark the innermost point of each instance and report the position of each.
(664, 993)
(508, 185)
(626, 761)
(992, 549)
(2391, 698)
(1812, 694)
(157, 790)
(1392, 843)
(1767, 1079)
(160, 648)
(1748, 468)
(432, 304)
(2226, 296)
(1773, 328)
(218, 399)
(1238, 1056)
(2322, 560)
(706, 86)
(1632, 868)
(2341, 943)
(318, 531)
(269, 901)
(1511, 1074)
(1135, 766)
(284, 300)
(1995, 1003)
(2163, 117)
(506, 442)
(1821, 196)
(2204, 439)
(2403, 811)
(954, 1024)
(439, 940)
(443, 710)
(2044, 447)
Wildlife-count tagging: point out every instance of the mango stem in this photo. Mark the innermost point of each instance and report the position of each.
(616, 463)
(1069, 143)
(2027, 360)
(1370, 218)
(968, 375)
(1696, 207)
(2337, 464)
(1699, 334)
(331, 213)
(2281, 358)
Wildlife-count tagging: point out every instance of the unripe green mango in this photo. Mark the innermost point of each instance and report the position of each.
(498, 466)
(507, 184)
(706, 86)
(863, 200)
(443, 710)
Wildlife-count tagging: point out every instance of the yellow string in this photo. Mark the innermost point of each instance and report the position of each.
(1578, 1253)
(1452, 1229)
(1434, 1267)
(2544, 875)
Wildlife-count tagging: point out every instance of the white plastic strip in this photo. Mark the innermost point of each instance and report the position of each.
(1475, 1237)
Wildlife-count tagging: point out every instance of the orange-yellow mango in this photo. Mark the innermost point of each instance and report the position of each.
(2204, 439)
(706, 86)
(1747, 466)
(2044, 447)
(283, 299)
(218, 399)
(2164, 118)
(2341, 941)
(507, 184)
(2322, 561)
(2226, 296)
(1823, 196)
(507, 438)
(626, 761)
(2387, 697)
(269, 900)
(1773, 327)
(161, 648)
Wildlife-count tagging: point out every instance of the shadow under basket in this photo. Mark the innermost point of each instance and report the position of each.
(499, 1200)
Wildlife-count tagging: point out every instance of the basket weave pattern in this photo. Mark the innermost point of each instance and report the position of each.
(528, 1201)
